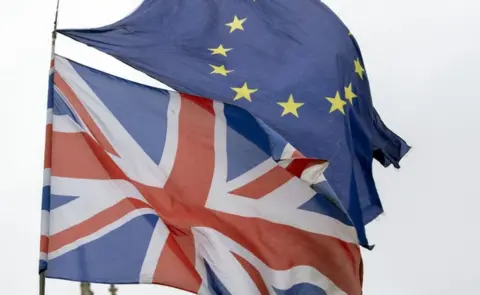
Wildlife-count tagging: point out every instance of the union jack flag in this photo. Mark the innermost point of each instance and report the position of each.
(143, 185)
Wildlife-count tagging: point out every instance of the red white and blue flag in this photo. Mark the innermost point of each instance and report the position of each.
(143, 185)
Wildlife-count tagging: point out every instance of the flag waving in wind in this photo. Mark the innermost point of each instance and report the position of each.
(292, 64)
(144, 185)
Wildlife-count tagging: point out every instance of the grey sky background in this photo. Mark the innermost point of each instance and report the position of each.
(423, 60)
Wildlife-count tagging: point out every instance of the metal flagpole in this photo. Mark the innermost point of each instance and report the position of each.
(42, 283)
(42, 275)
(54, 32)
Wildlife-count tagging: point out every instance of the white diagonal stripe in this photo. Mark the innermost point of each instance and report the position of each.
(93, 196)
(171, 138)
(314, 174)
(157, 242)
(251, 175)
(65, 124)
(288, 151)
(100, 233)
(133, 160)
(281, 206)
(225, 266)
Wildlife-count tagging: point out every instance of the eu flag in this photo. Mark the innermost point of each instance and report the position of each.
(293, 64)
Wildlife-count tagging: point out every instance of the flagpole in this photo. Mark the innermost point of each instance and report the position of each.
(54, 32)
(42, 275)
(42, 283)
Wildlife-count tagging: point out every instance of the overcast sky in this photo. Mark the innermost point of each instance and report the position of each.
(423, 60)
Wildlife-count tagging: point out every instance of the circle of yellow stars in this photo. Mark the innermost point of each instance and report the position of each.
(290, 106)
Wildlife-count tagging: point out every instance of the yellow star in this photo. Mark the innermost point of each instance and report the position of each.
(220, 70)
(243, 92)
(358, 68)
(349, 93)
(236, 24)
(337, 103)
(220, 50)
(290, 107)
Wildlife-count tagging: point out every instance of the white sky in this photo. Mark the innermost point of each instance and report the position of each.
(423, 59)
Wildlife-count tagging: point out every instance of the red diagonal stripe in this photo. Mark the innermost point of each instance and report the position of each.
(265, 184)
(254, 274)
(83, 113)
(95, 223)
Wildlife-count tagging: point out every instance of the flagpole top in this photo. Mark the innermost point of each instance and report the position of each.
(54, 31)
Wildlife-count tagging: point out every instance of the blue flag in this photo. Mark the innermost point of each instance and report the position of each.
(293, 64)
